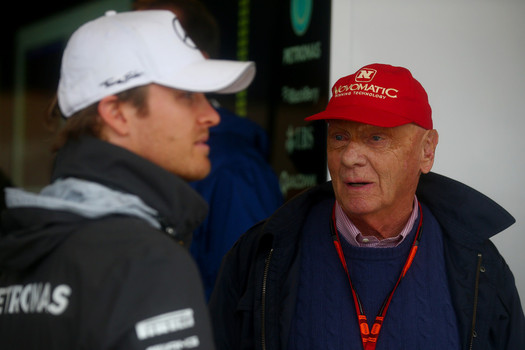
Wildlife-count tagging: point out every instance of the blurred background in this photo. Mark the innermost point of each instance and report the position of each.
(291, 81)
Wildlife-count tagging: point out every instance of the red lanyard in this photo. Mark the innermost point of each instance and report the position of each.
(370, 338)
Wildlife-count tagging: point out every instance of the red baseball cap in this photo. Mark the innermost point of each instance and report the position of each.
(381, 95)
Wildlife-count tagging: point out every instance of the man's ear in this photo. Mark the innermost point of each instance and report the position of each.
(430, 141)
(115, 120)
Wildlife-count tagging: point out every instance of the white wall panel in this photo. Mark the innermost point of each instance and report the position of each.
(470, 57)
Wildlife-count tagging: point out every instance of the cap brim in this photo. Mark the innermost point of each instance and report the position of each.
(219, 76)
(365, 115)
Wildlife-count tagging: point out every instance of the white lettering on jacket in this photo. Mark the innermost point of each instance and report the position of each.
(34, 298)
(187, 343)
(166, 323)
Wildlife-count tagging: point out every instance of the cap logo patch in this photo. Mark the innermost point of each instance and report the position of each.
(365, 75)
(181, 33)
(360, 89)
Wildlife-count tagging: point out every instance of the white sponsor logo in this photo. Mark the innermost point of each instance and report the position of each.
(165, 323)
(188, 343)
(365, 75)
(34, 298)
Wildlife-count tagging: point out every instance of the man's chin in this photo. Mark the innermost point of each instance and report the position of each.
(197, 174)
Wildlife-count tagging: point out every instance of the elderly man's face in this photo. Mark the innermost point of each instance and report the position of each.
(375, 170)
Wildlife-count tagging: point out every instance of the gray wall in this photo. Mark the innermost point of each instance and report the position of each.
(470, 57)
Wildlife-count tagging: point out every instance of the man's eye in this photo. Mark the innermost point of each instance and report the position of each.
(338, 137)
(188, 95)
(185, 95)
(376, 138)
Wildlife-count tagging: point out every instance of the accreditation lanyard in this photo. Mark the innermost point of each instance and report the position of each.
(368, 337)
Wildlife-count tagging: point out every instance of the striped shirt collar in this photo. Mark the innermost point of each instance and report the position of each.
(353, 236)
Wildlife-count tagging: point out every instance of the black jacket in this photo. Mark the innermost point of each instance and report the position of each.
(254, 299)
(68, 281)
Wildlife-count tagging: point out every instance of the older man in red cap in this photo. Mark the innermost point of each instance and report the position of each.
(384, 256)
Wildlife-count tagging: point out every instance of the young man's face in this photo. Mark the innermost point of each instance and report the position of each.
(175, 131)
(374, 170)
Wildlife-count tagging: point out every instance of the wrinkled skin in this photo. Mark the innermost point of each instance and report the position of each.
(375, 172)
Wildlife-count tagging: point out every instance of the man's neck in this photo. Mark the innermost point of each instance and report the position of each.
(383, 225)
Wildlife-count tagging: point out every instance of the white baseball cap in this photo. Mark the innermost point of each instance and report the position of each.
(117, 52)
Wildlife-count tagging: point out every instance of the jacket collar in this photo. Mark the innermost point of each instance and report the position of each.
(180, 209)
(465, 214)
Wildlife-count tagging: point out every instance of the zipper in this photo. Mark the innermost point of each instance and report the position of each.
(473, 329)
(263, 301)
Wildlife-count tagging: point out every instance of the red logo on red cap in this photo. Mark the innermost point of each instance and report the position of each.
(365, 75)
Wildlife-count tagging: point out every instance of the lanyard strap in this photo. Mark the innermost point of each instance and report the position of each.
(368, 337)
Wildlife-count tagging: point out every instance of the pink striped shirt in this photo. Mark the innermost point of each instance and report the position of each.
(353, 236)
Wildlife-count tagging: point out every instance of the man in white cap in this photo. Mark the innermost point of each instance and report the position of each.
(97, 259)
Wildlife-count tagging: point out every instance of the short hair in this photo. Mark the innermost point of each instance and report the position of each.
(87, 121)
(198, 22)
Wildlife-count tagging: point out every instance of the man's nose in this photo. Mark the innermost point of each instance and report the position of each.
(353, 154)
(209, 115)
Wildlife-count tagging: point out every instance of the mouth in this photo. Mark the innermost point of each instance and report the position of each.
(357, 184)
(202, 144)
(202, 141)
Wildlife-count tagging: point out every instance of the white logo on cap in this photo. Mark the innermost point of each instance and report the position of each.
(181, 33)
(365, 75)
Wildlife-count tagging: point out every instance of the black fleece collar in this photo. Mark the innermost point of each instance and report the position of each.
(180, 208)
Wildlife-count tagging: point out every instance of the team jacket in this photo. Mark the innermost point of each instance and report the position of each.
(254, 298)
(97, 259)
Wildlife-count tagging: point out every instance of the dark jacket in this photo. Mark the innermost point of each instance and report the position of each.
(69, 280)
(241, 190)
(254, 298)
